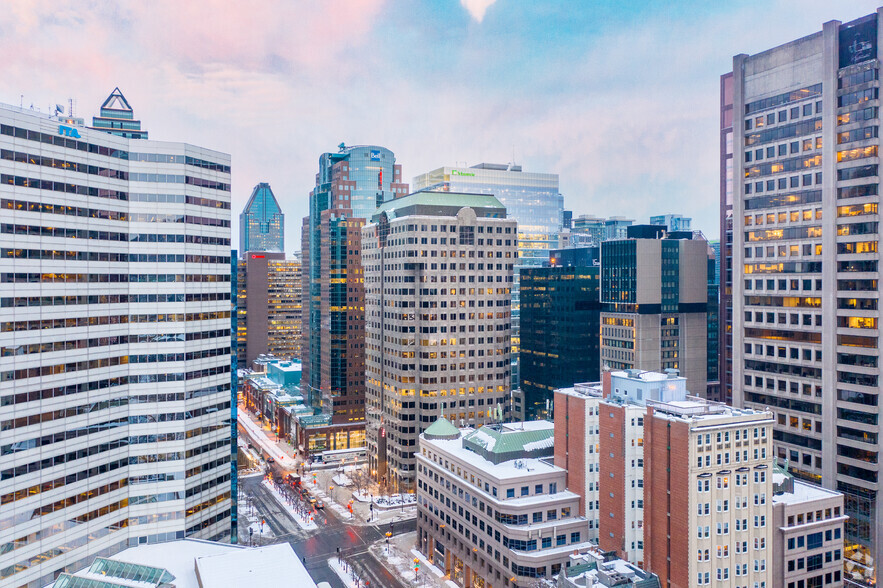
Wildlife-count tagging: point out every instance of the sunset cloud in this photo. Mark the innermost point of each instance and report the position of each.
(620, 99)
(477, 8)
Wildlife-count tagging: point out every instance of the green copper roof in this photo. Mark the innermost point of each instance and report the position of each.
(442, 199)
(499, 443)
(441, 429)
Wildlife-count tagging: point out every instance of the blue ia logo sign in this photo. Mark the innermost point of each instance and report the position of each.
(68, 132)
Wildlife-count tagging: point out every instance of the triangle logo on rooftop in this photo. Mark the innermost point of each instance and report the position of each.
(116, 101)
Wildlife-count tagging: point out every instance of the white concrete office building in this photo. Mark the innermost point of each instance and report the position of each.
(808, 544)
(115, 428)
(438, 279)
(492, 509)
(531, 199)
(806, 263)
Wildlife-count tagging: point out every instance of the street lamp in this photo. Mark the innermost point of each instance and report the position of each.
(388, 535)
(331, 492)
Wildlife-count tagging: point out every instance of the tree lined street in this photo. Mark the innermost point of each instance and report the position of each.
(316, 547)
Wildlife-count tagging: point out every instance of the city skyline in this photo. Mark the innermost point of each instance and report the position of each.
(148, 368)
(548, 86)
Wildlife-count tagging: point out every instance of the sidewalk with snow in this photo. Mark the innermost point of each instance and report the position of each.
(302, 520)
(399, 559)
(345, 573)
(258, 435)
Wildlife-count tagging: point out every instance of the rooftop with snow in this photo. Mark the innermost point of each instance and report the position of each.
(501, 450)
(192, 563)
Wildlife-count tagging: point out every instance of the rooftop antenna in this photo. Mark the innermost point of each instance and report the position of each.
(21, 101)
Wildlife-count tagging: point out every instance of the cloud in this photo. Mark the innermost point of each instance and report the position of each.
(624, 109)
(477, 8)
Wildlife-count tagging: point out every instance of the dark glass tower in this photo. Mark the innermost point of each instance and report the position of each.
(261, 223)
(560, 330)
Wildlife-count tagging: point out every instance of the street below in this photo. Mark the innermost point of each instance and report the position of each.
(315, 547)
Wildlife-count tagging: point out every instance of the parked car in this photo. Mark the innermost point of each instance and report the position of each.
(319, 504)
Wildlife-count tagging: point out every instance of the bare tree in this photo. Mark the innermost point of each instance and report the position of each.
(360, 478)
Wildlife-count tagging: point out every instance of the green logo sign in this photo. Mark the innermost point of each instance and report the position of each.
(456, 172)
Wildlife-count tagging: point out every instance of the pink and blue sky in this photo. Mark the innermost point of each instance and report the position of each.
(618, 97)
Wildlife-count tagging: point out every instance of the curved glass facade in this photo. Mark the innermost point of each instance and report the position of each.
(350, 185)
(532, 199)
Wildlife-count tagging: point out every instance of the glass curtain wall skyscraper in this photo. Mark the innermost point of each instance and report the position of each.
(532, 199)
(261, 223)
(350, 185)
(560, 331)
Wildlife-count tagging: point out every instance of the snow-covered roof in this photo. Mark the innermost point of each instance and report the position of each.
(263, 566)
(804, 493)
(504, 442)
(502, 471)
(208, 564)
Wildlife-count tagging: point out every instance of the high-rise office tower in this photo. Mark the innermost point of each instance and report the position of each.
(716, 248)
(654, 296)
(601, 229)
(438, 278)
(531, 199)
(616, 227)
(117, 118)
(672, 222)
(560, 329)
(261, 222)
(587, 224)
(350, 185)
(269, 306)
(115, 366)
(725, 249)
(806, 256)
(285, 301)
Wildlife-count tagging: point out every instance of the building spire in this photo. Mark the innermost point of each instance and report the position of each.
(117, 118)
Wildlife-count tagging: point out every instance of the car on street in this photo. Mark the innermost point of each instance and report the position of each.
(319, 504)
